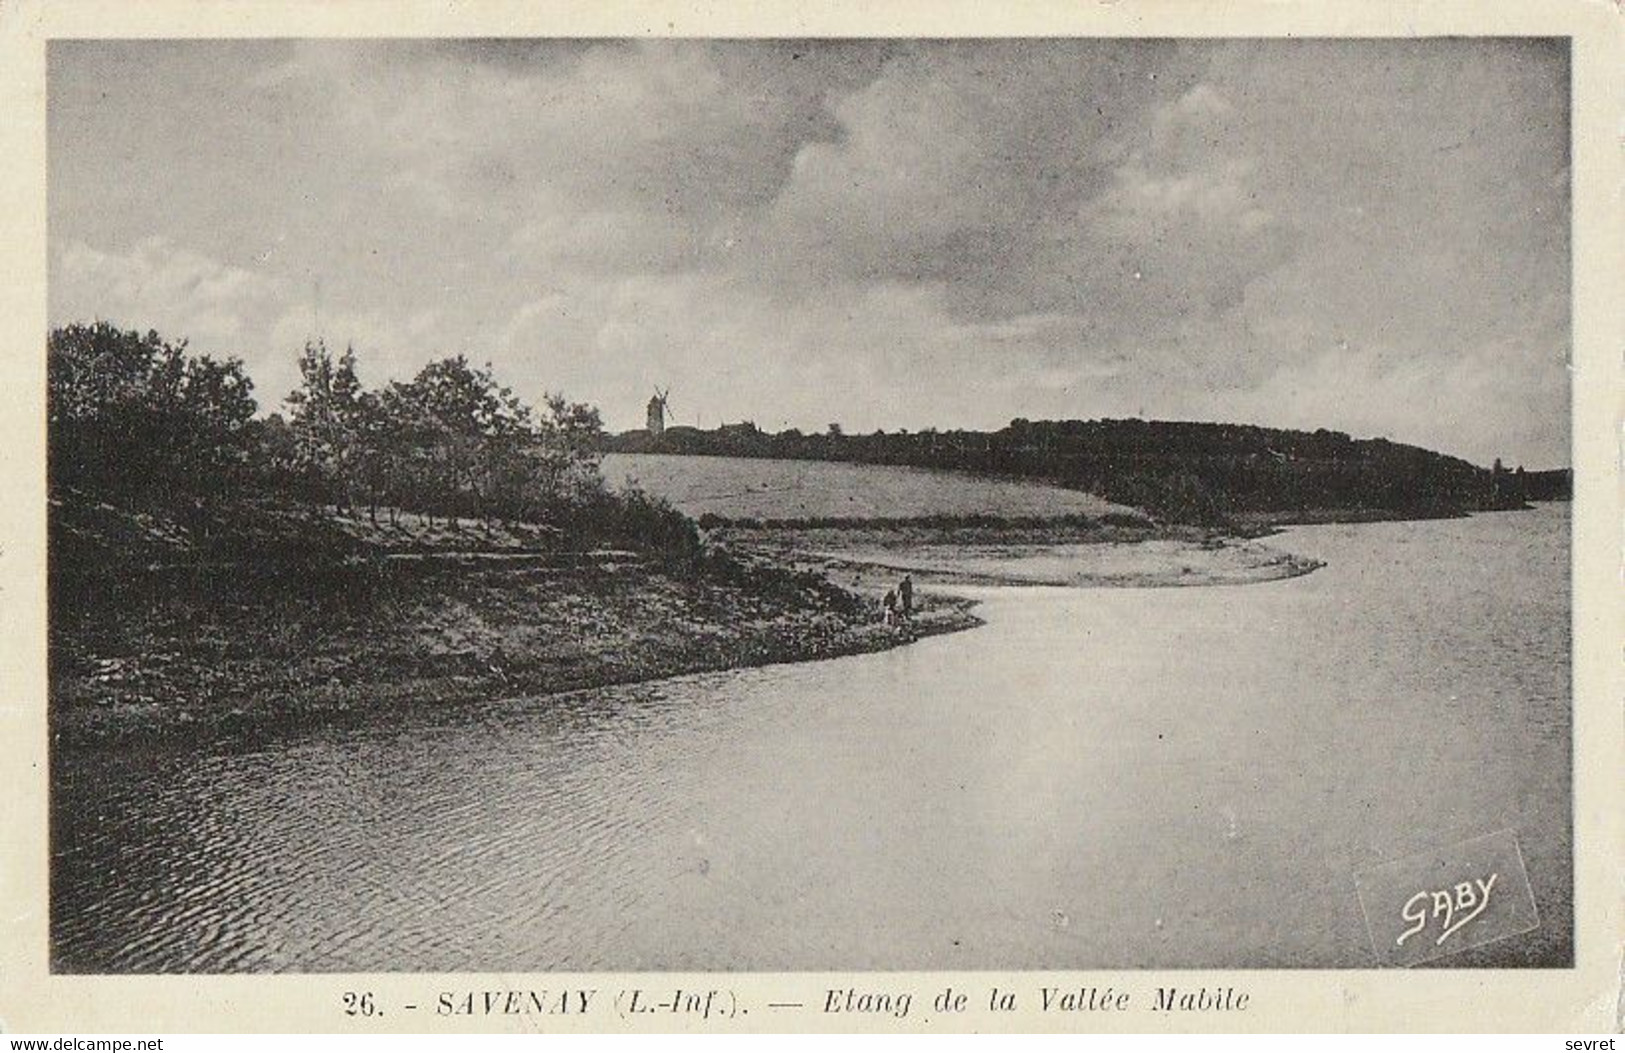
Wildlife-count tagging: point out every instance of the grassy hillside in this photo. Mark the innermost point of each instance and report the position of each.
(740, 488)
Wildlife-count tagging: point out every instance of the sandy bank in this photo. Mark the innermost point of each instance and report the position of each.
(1141, 565)
(868, 559)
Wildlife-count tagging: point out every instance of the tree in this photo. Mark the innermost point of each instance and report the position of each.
(377, 469)
(469, 445)
(326, 414)
(565, 455)
(467, 400)
(135, 414)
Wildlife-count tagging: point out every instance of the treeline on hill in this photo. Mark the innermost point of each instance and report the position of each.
(154, 449)
(1198, 473)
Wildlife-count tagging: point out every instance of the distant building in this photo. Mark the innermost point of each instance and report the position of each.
(657, 412)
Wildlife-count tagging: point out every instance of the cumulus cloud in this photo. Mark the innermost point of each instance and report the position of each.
(888, 233)
(159, 285)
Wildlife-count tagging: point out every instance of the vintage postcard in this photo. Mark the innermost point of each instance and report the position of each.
(638, 517)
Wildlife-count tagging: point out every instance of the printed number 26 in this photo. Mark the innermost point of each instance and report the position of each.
(359, 1004)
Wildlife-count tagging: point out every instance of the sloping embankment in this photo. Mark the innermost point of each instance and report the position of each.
(202, 655)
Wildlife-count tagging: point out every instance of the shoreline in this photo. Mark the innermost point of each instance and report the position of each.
(1258, 569)
(1099, 556)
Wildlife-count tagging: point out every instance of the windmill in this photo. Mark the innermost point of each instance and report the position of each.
(657, 411)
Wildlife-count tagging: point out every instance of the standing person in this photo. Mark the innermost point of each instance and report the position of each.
(889, 607)
(905, 595)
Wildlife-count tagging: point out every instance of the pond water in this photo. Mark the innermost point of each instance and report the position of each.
(1095, 778)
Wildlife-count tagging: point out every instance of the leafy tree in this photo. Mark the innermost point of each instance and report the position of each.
(327, 417)
(458, 432)
(462, 443)
(564, 459)
(135, 414)
(466, 400)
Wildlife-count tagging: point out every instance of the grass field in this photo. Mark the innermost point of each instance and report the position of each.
(747, 488)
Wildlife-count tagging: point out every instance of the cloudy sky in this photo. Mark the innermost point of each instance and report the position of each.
(1367, 236)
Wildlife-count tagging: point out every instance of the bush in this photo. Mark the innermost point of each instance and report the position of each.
(632, 519)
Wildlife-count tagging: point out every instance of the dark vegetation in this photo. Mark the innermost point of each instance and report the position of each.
(430, 542)
(1221, 475)
(1556, 484)
(156, 453)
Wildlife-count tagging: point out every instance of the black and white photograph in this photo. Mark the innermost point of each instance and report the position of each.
(810, 504)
